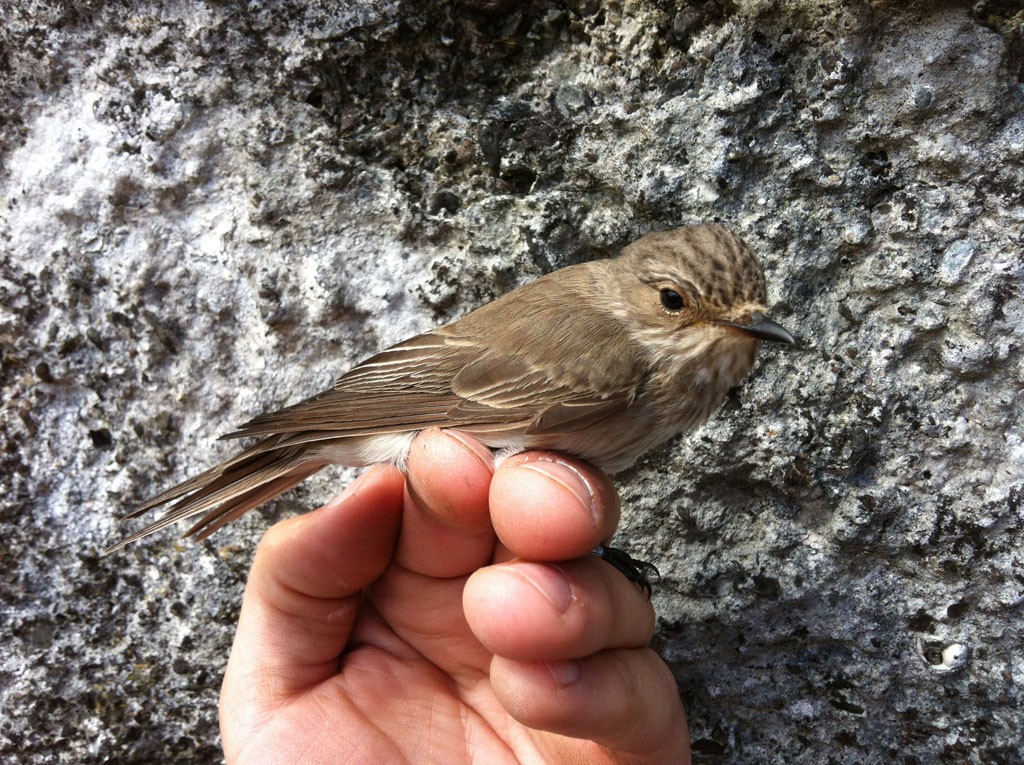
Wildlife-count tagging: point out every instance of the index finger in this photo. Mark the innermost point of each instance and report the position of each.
(446, 529)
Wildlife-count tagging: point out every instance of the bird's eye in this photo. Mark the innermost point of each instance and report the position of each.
(672, 300)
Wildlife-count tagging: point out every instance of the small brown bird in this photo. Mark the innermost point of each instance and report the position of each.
(601, 360)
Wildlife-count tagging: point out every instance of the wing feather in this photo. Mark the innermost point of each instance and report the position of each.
(570, 416)
(468, 375)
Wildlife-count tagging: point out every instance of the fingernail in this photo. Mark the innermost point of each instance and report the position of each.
(569, 478)
(564, 672)
(550, 581)
(474, 447)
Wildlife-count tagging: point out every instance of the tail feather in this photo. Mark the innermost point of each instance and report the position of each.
(226, 513)
(246, 458)
(228, 490)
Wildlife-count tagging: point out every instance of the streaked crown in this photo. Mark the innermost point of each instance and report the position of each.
(709, 260)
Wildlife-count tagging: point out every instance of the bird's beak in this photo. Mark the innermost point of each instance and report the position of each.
(762, 328)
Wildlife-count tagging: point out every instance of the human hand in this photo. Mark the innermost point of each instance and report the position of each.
(392, 625)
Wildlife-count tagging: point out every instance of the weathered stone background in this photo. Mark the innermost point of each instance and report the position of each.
(212, 209)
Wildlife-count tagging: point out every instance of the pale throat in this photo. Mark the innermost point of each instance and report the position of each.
(703, 360)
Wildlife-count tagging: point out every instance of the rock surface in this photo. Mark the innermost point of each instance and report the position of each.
(208, 210)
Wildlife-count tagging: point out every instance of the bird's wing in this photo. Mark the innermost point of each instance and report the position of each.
(431, 381)
(543, 400)
(536, 365)
(406, 387)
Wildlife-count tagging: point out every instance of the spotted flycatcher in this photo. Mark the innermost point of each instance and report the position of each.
(601, 360)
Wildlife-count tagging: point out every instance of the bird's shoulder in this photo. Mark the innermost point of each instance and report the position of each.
(560, 331)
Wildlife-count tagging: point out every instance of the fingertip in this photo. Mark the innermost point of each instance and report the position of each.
(518, 609)
(545, 506)
(532, 611)
(450, 475)
(474, 447)
(446, 528)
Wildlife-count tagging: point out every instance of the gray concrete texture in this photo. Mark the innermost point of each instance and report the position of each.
(208, 210)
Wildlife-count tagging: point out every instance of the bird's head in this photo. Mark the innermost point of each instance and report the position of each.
(696, 293)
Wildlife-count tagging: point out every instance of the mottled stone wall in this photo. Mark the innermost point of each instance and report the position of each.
(209, 210)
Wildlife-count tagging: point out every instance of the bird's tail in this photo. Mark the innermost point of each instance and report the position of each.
(230, 489)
